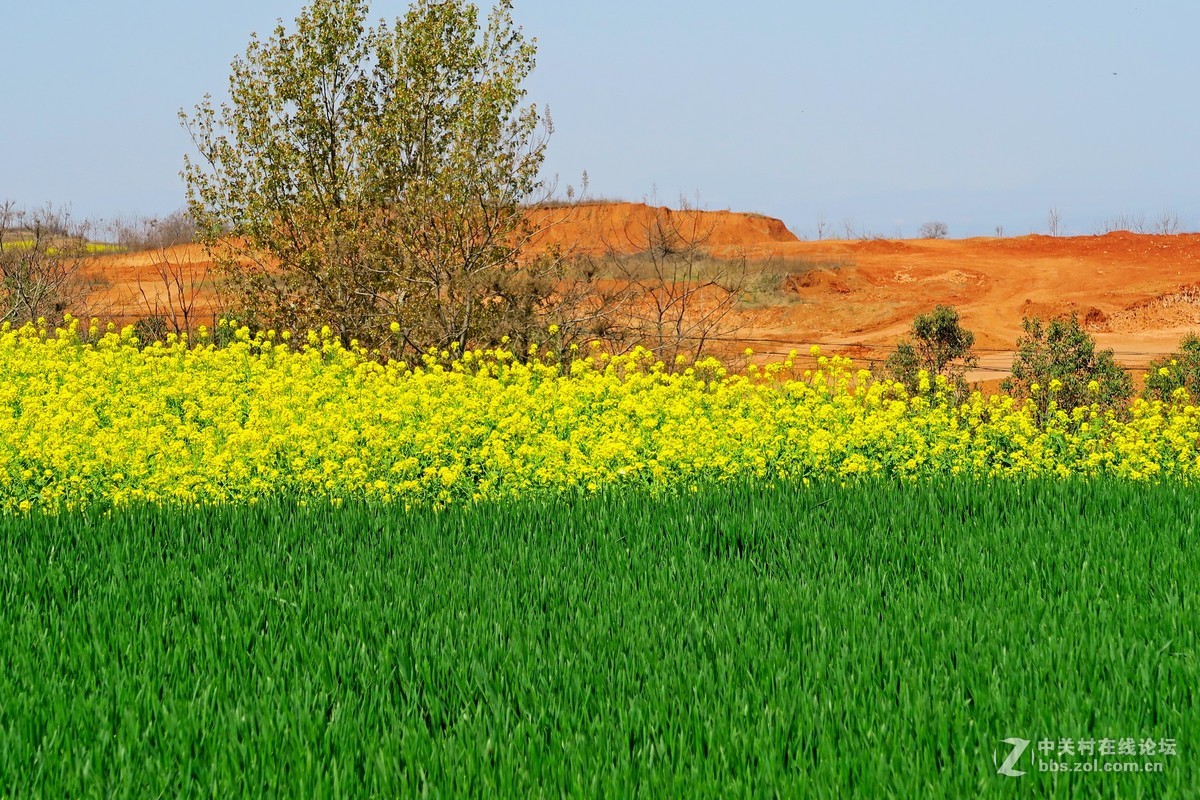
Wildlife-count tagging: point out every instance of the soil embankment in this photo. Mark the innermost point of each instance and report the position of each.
(1137, 293)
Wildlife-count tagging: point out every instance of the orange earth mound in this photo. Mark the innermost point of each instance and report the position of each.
(1137, 293)
(598, 228)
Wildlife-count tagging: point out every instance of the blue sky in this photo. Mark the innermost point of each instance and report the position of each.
(874, 115)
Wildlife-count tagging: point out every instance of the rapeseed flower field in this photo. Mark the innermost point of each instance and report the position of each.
(90, 418)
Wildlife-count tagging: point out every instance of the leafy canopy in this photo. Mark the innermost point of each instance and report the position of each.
(360, 175)
(1057, 362)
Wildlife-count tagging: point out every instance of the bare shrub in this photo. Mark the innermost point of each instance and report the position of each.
(172, 294)
(1133, 223)
(675, 298)
(42, 256)
(1167, 224)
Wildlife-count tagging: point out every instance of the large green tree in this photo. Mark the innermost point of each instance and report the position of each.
(362, 175)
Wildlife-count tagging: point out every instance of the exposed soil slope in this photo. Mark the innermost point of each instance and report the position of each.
(1137, 293)
(599, 228)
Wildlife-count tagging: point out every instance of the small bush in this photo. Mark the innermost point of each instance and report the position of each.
(1056, 361)
(903, 366)
(1175, 372)
(939, 345)
(151, 329)
(225, 327)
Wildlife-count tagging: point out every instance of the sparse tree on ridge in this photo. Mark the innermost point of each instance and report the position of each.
(934, 230)
(363, 175)
(1054, 221)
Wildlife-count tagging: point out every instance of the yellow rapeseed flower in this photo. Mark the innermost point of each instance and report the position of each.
(104, 421)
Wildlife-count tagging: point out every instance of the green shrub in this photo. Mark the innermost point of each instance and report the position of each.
(939, 345)
(1057, 362)
(227, 325)
(151, 329)
(1178, 371)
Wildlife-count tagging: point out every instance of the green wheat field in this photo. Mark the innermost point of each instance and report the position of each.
(876, 640)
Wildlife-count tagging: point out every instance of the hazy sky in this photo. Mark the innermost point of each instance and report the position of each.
(877, 115)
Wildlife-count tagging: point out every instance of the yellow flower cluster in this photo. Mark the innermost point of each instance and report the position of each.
(98, 420)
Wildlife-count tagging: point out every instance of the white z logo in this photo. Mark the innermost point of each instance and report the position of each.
(1018, 747)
